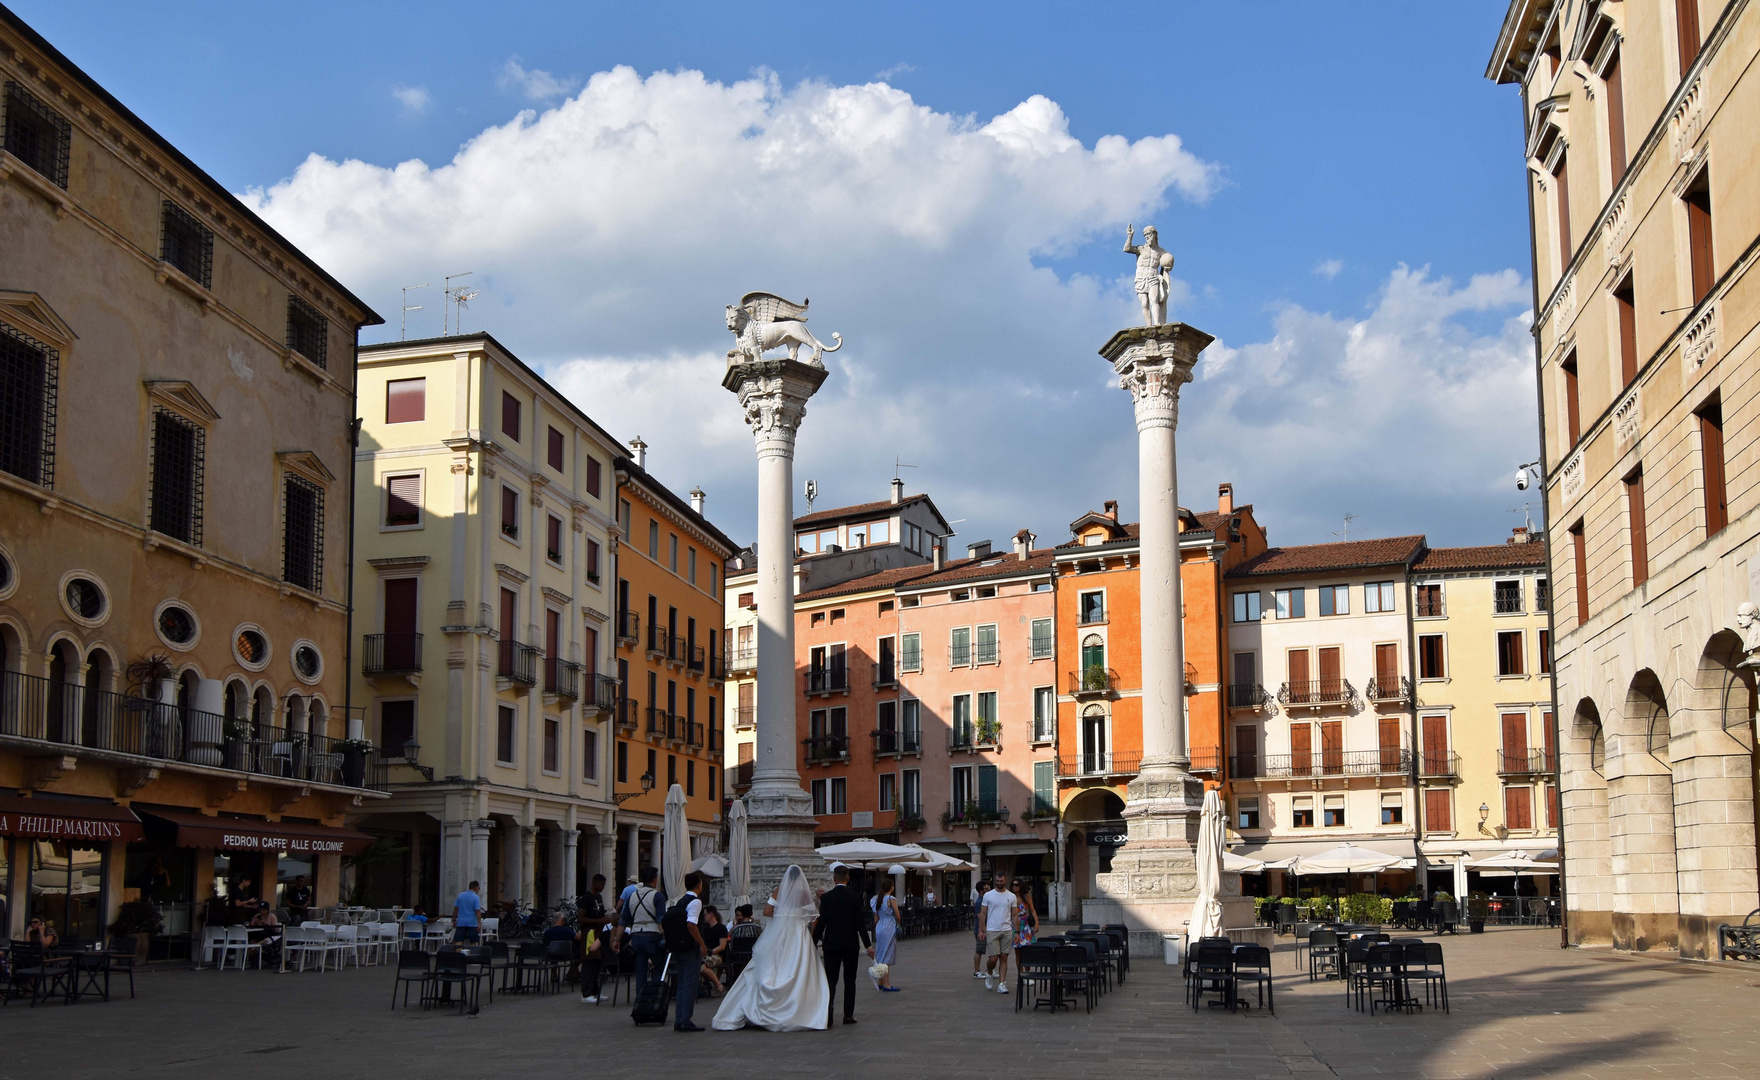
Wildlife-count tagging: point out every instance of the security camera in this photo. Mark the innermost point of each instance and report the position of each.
(1521, 479)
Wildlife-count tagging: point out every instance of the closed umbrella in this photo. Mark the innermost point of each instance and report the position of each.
(1206, 918)
(739, 855)
(676, 850)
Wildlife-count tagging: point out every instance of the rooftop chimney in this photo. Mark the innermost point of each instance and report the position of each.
(897, 491)
(1110, 508)
(978, 550)
(1225, 499)
(697, 497)
(1023, 544)
(940, 547)
(639, 449)
(1519, 535)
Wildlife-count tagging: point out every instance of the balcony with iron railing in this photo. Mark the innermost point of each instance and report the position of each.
(696, 659)
(661, 724)
(1430, 607)
(1389, 689)
(834, 680)
(1040, 647)
(890, 742)
(694, 734)
(1248, 696)
(742, 660)
(959, 655)
(658, 640)
(745, 716)
(678, 651)
(825, 749)
(981, 735)
(1439, 765)
(629, 627)
(1091, 616)
(42, 716)
(519, 662)
(742, 775)
(628, 714)
(562, 678)
(601, 692)
(1525, 763)
(718, 667)
(975, 813)
(715, 738)
(1098, 763)
(1321, 764)
(391, 654)
(1205, 759)
(1093, 682)
(885, 674)
(1317, 693)
(988, 652)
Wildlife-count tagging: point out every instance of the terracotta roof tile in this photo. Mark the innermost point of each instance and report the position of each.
(1005, 564)
(880, 579)
(1210, 521)
(850, 511)
(1345, 555)
(1487, 557)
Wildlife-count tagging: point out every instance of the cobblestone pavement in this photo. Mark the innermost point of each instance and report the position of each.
(1521, 1008)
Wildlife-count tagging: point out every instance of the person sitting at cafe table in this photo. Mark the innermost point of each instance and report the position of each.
(42, 934)
(298, 898)
(266, 921)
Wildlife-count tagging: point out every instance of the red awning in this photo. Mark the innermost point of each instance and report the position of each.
(73, 820)
(242, 834)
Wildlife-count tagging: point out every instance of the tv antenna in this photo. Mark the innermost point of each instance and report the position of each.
(897, 464)
(403, 328)
(812, 492)
(458, 298)
(1527, 516)
(1346, 531)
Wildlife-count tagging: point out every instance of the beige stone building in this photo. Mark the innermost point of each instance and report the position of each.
(485, 546)
(176, 396)
(1641, 123)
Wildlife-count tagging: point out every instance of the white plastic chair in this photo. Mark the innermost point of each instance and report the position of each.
(413, 932)
(438, 934)
(238, 940)
(490, 929)
(386, 940)
(302, 942)
(213, 946)
(345, 945)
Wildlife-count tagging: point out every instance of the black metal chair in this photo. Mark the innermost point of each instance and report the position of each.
(1423, 960)
(1124, 947)
(412, 967)
(1353, 954)
(452, 968)
(1074, 972)
(1213, 973)
(1323, 954)
(1099, 948)
(743, 938)
(1036, 967)
(1448, 916)
(1423, 913)
(1382, 978)
(1252, 963)
(119, 960)
(530, 961)
(480, 961)
(558, 955)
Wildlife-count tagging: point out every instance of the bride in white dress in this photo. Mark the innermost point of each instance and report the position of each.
(783, 988)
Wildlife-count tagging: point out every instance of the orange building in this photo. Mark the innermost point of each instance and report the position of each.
(671, 663)
(1100, 719)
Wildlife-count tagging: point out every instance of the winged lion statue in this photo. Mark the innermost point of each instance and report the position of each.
(763, 321)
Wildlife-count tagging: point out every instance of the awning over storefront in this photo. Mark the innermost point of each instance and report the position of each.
(73, 820)
(1017, 847)
(245, 834)
(1278, 850)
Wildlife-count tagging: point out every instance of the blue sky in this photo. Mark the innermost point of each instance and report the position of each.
(1345, 200)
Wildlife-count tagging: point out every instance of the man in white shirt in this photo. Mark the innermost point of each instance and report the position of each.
(1001, 915)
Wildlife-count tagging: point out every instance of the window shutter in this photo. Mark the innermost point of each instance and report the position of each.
(509, 415)
(1515, 739)
(556, 450)
(1711, 450)
(1332, 746)
(1301, 749)
(593, 477)
(406, 400)
(1616, 118)
(1388, 735)
(1635, 519)
(1518, 808)
(1044, 799)
(1436, 815)
(403, 499)
(1387, 666)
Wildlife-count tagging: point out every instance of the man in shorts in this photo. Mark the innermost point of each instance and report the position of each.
(977, 898)
(1000, 914)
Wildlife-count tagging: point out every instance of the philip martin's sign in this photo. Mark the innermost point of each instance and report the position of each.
(67, 819)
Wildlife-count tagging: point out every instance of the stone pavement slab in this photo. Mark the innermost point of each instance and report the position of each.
(1522, 1007)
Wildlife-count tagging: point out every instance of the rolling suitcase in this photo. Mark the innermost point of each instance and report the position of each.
(652, 1000)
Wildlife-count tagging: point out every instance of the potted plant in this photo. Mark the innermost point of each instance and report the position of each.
(1094, 677)
(354, 761)
(238, 733)
(138, 919)
(1478, 907)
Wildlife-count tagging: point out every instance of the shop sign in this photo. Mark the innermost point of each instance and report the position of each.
(299, 845)
(56, 827)
(1107, 839)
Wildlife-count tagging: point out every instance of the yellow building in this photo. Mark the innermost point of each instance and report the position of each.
(484, 547)
(1487, 743)
(740, 709)
(671, 663)
(179, 384)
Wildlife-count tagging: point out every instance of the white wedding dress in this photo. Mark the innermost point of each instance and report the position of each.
(783, 988)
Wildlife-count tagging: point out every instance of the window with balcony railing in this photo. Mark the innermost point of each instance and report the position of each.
(1041, 643)
(1430, 602)
(1507, 597)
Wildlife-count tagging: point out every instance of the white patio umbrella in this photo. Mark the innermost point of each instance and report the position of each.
(1517, 863)
(1206, 920)
(1240, 864)
(923, 858)
(739, 856)
(711, 865)
(862, 851)
(676, 848)
(1346, 859)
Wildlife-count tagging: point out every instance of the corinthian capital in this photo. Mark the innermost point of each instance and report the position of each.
(773, 396)
(1154, 387)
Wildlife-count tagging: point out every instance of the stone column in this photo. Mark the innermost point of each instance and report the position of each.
(565, 870)
(1154, 876)
(773, 394)
(478, 867)
(528, 863)
(608, 862)
(633, 855)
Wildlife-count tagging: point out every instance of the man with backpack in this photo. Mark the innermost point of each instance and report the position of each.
(641, 917)
(684, 941)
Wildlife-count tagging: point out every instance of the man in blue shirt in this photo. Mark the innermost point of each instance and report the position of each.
(466, 912)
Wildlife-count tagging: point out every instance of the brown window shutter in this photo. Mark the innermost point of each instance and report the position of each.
(1640, 542)
(1301, 749)
(1552, 806)
(403, 499)
(1686, 26)
(1436, 816)
(1387, 665)
(406, 400)
(1436, 745)
(1330, 675)
(1246, 751)
(1580, 565)
(1332, 746)
(1698, 199)
(1515, 739)
(1711, 452)
(1626, 305)
(1551, 745)
(509, 415)
(1387, 732)
(1518, 807)
(1563, 177)
(1573, 417)
(1616, 118)
(400, 624)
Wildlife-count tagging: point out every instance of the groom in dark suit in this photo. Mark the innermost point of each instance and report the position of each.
(841, 927)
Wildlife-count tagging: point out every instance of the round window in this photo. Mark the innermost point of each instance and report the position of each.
(85, 599)
(5, 572)
(253, 648)
(307, 662)
(177, 625)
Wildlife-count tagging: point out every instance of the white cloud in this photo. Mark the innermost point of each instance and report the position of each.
(1329, 268)
(535, 84)
(893, 72)
(414, 99)
(609, 231)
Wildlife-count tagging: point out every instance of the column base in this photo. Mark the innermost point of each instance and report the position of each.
(1154, 878)
(779, 834)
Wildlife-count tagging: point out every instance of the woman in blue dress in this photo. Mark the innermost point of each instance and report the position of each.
(886, 918)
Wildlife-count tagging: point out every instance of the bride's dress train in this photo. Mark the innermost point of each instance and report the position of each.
(783, 988)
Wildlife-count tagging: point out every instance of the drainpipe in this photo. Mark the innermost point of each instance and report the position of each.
(354, 442)
(1417, 747)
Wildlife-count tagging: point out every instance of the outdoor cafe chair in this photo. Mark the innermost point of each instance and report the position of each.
(386, 938)
(1099, 954)
(436, 933)
(1074, 972)
(412, 967)
(303, 943)
(1213, 973)
(500, 959)
(489, 929)
(739, 951)
(621, 970)
(213, 946)
(452, 968)
(412, 931)
(1124, 941)
(345, 944)
(119, 960)
(1423, 960)
(1448, 916)
(481, 962)
(38, 975)
(530, 960)
(1353, 954)
(1036, 969)
(1252, 963)
(238, 940)
(1382, 979)
(558, 955)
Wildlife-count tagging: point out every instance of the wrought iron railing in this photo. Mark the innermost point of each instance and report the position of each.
(979, 735)
(71, 717)
(1332, 691)
(628, 713)
(677, 650)
(823, 748)
(742, 775)
(391, 654)
(718, 667)
(601, 692)
(743, 660)
(1093, 681)
(827, 680)
(975, 813)
(562, 678)
(519, 662)
(1525, 762)
(1040, 646)
(1099, 763)
(1323, 763)
(1507, 602)
(988, 652)
(1430, 607)
(1092, 616)
(959, 655)
(1443, 764)
(885, 675)
(1248, 696)
(894, 741)
(696, 657)
(1389, 688)
(1206, 759)
(629, 627)
(745, 716)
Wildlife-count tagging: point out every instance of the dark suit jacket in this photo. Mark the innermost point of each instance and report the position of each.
(841, 924)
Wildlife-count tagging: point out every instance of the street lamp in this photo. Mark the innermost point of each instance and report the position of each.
(624, 796)
(411, 751)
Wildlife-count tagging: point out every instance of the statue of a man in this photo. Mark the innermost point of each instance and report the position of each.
(1748, 622)
(1152, 281)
